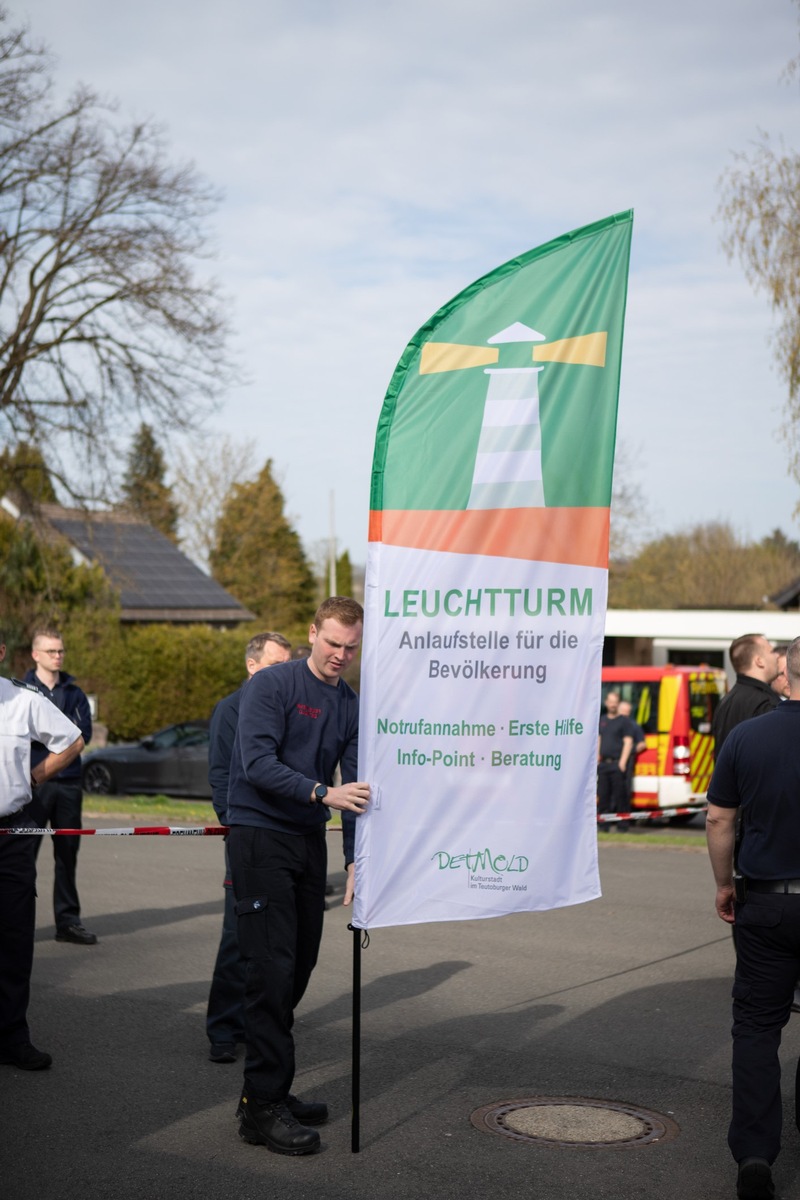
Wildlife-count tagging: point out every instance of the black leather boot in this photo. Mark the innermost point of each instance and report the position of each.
(273, 1125)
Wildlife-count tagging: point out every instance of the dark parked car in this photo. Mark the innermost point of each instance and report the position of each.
(173, 761)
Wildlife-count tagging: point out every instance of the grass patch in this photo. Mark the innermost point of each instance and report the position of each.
(162, 810)
(677, 841)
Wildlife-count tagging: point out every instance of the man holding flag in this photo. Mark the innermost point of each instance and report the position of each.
(297, 723)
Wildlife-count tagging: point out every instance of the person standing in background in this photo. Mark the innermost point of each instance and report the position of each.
(25, 715)
(614, 748)
(59, 802)
(780, 683)
(755, 662)
(639, 745)
(224, 1016)
(757, 776)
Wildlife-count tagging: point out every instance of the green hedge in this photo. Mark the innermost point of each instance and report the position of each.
(148, 676)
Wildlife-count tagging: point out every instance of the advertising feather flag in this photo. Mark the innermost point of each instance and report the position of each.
(486, 592)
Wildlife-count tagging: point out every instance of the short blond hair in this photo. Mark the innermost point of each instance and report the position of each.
(45, 631)
(343, 609)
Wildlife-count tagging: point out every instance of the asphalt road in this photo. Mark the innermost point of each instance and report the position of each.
(625, 999)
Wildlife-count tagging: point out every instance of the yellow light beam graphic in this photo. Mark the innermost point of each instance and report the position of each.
(589, 350)
(449, 356)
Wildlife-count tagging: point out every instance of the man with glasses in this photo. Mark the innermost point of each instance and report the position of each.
(58, 802)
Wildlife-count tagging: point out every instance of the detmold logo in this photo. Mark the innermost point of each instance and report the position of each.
(476, 861)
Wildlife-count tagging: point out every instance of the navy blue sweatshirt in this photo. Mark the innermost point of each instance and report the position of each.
(222, 735)
(293, 731)
(67, 696)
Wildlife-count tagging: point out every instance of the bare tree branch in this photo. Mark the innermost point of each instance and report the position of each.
(106, 319)
(760, 212)
(204, 474)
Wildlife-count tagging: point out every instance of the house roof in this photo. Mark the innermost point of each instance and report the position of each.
(788, 597)
(156, 581)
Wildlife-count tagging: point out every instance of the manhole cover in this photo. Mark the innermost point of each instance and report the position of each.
(575, 1121)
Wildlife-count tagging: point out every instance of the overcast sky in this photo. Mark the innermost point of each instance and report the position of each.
(376, 156)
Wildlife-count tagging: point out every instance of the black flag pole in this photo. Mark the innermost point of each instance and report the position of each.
(355, 1127)
(355, 1121)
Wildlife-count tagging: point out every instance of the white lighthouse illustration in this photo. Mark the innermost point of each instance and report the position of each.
(508, 464)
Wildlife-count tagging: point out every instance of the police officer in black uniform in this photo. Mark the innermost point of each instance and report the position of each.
(24, 715)
(758, 775)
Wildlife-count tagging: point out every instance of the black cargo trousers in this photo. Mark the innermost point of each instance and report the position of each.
(279, 885)
(17, 928)
(767, 968)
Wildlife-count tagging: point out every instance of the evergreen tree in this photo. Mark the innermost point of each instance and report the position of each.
(258, 556)
(143, 488)
(40, 584)
(344, 575)
(24, 474)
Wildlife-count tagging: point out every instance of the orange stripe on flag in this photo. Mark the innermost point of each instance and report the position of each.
(576, 536)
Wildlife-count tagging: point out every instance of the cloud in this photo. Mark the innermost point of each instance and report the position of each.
(376, 158)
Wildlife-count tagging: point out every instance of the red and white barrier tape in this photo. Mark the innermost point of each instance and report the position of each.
(650, 814)
(134, 831)
(655, 814)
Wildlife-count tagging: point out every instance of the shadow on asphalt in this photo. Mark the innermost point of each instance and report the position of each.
(114, 924)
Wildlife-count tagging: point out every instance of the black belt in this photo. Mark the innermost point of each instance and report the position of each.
(784, 887)
(614, 760)
(11, 820)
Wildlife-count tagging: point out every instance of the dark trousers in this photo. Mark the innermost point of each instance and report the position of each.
(612, 788)
(279, 884)
(767, 968)
(17, 926)
(59, 805)
(225, 1014)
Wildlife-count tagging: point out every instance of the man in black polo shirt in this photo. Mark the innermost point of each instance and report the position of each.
(614, 748)
(758, 775)
(756, 663)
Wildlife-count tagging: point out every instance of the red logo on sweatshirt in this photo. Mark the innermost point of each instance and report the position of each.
(306, 710)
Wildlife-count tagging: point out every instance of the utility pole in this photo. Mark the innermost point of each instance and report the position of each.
(332, 548)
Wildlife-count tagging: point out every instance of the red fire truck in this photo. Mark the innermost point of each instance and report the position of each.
(675, 707)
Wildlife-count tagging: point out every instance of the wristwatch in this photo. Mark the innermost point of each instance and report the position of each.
(320, 792)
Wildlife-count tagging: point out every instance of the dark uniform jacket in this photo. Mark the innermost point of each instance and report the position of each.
(222, 735)
(747, 698)
(293, 731)
(67, 696)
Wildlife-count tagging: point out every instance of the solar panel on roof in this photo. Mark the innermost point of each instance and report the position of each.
(148, 569)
